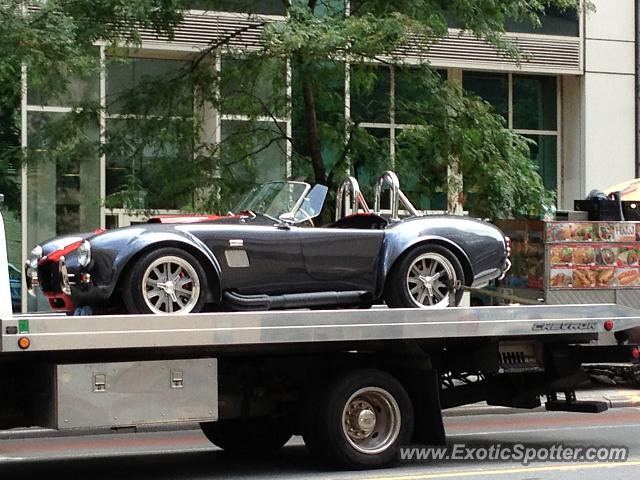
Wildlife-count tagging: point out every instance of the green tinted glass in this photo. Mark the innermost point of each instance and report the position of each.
(410, 90)
(327, 79)
(491, 87)
(80, 88)
(554, 22)
(326, 7)
(370, 157)
(370, 88)
(72, 84)
(534, 102)
(69, 186)
(142, 155)
(149, 86)
(544, 155)
(422, 177)
(253, 86)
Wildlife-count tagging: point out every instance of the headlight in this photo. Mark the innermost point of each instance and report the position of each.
(34, 257)
(31, 269)
(84, 253)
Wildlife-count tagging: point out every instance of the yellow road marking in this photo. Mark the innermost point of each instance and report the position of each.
(507, 471)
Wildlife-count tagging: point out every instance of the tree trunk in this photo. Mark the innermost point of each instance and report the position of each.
(313, 136)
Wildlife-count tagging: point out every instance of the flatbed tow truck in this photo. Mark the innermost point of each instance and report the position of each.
(356, 384)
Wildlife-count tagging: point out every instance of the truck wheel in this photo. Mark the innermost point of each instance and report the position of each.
(360, 420)
(422, 278)
(254, 436)
(167, 280)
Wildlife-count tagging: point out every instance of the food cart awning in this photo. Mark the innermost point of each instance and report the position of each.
(630, 190)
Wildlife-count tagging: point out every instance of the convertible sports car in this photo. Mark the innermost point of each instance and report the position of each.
(270, 255)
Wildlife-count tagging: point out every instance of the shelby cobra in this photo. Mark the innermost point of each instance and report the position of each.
(269, 255)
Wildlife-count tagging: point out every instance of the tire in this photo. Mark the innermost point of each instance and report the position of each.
(433, 265)
(359, 421)
(184, 292)
(256, 436)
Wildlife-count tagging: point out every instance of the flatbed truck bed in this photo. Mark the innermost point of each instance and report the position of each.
(356, 384)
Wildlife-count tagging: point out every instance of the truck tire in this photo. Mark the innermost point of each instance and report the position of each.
(184, 283)
(359, 420)
(422, 278)
(255, 436)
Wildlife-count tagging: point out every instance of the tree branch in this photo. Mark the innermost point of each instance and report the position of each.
(345, 152)
(254, 152)
(225, 41)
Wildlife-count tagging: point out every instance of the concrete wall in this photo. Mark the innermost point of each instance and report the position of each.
(572, 139)
(604, 118)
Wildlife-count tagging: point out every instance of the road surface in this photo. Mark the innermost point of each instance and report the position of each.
(186, 454)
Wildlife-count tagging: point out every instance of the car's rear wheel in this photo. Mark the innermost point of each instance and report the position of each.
(165, 281)
(425, 277)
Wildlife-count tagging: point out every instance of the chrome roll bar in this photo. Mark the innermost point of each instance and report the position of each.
(350, 188)
(390, 179)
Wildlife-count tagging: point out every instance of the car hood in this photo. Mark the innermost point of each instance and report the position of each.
(163, 222)
(63, 241)
(185, 218)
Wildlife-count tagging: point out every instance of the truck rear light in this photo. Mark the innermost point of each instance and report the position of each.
(508, 245)
(24, 343)
(608, 325)
(635, 353)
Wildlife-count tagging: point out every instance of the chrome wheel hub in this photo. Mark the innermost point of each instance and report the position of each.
(371, 420)
(428, 280)
(362, 419)
(168, 287)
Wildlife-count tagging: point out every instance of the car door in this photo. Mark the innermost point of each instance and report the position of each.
(342, 258)
(256, 258)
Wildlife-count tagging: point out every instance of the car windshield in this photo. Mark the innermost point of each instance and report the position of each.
(273, 198)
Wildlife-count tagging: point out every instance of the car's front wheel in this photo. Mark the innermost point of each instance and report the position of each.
(165, 281)
(425, 277)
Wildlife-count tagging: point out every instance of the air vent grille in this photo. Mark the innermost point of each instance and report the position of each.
(542, 54)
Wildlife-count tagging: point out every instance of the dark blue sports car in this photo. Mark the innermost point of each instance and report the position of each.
(271, 255)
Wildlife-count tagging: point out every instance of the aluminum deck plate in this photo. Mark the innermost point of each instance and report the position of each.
(61, 333)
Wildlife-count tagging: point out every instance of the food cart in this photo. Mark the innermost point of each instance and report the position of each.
(561, 262)
(589, 255)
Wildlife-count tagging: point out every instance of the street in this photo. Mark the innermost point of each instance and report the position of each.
(187, 454)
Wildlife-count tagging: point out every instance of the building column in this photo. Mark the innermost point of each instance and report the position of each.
(608, 94)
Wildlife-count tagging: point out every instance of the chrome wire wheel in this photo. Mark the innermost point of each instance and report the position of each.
(429, 279)
(170, 285)
(371, 420)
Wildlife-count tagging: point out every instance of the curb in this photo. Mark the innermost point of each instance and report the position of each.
(614, 398)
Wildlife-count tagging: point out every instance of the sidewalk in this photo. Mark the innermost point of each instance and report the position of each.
(616, 397)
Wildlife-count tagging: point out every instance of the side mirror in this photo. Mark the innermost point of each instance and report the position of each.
(287, 217)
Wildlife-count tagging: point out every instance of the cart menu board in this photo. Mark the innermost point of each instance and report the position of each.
(592, 255)
(527, 253)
